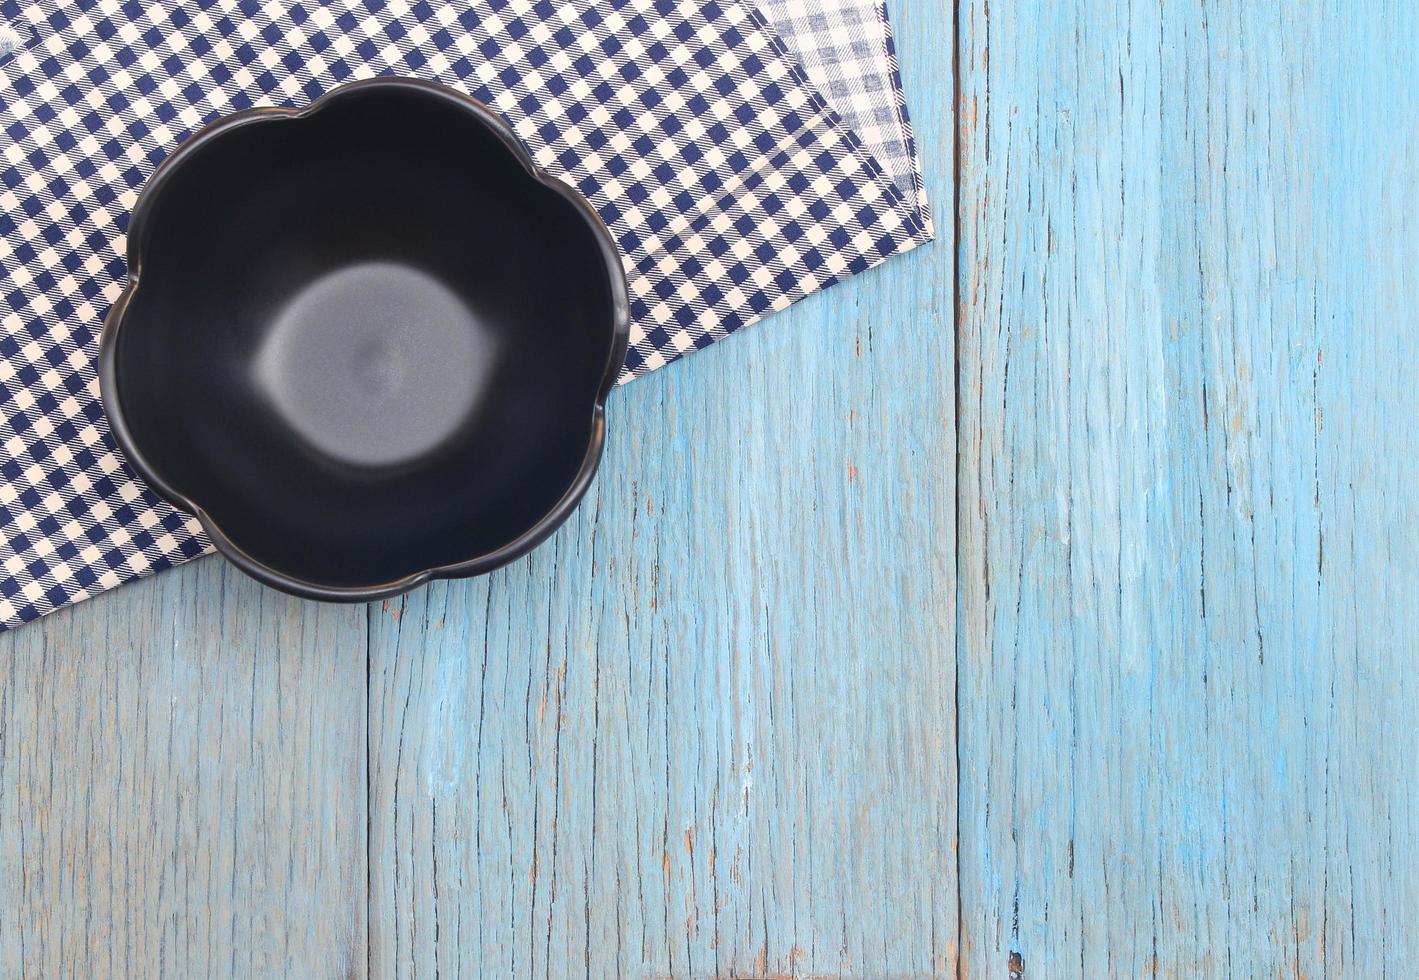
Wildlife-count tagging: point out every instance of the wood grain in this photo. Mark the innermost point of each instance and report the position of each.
(1188, 526)
(712, 728)
(708, 729)
(183, 785)
(704, 731)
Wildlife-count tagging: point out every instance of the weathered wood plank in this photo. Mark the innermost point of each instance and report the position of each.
(706, 730)
(183, 785)
(1189, 532)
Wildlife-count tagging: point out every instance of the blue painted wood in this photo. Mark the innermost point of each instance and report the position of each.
(182, 784)
(1189, 533)
(707, 729)
(712, 728)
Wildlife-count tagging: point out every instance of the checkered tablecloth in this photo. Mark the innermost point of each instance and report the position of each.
(845, 48)
(731, 186)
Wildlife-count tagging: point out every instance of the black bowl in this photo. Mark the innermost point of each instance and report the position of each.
(367, 342)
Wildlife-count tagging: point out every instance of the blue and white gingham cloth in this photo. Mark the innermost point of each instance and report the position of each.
(731, 186)
(846, 50)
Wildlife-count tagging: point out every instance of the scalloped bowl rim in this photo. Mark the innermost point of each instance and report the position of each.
(540, 530)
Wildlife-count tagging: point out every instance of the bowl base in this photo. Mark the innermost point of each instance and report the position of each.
(376, 364)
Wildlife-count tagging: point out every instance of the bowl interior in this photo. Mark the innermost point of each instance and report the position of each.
(366, 341)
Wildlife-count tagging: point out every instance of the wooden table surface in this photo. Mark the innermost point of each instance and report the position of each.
(1039, 604)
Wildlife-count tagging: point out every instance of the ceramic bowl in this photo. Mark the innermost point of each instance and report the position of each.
(367, 342)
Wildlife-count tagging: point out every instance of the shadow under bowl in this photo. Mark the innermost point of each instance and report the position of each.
(367, 342)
